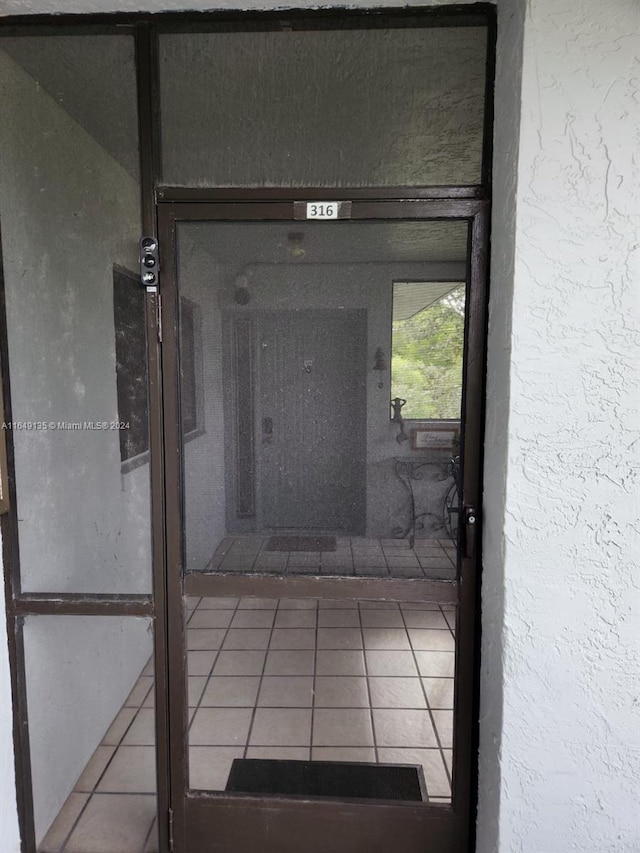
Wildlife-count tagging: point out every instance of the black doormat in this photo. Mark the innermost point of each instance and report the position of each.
(327, 779)
(301, 543)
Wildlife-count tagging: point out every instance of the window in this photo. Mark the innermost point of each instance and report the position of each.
(427, 348)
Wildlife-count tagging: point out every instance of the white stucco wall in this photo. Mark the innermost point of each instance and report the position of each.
(558, 684)
(559, 726)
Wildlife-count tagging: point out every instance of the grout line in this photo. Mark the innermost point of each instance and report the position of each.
(67, 838)
(366, 677)
(429, 710)
(264, 666)
(315, 675)
(213, 663)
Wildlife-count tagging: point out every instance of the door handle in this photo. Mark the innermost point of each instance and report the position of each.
(470, 516)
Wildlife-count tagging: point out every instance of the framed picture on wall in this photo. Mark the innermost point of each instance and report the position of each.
(434, 438)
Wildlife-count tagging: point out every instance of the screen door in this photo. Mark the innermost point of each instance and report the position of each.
(321, 548)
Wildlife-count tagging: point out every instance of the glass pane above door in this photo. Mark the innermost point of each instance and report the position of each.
(297, 459)
(353, 107)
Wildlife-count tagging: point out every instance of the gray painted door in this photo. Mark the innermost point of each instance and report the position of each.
(312, 425)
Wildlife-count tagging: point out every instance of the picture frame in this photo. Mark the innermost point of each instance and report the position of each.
(434, 437)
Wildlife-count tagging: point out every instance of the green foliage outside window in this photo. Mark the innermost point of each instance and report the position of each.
(426, 360)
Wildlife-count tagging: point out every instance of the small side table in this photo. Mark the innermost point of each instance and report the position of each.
(409, 469)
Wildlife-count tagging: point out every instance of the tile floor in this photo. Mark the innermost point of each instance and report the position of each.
(354, 555)
(333, 680)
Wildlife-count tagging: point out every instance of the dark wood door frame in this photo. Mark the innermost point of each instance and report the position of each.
(146, 29)
(431, 829)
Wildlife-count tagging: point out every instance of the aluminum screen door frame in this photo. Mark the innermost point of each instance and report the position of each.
(228, 823)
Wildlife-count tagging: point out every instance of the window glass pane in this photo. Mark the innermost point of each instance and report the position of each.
(315, 682)
(427, 348)
(69, 202)
(297, 467)
(335, 108)
(91, 731)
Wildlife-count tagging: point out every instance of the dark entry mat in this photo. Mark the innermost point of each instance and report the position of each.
(327, 779)
(301, 543)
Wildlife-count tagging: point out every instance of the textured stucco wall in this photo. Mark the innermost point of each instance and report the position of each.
(563, 748)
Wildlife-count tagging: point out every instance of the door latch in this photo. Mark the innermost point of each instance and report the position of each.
(470, 516)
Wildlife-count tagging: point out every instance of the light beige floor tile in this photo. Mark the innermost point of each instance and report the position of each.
(205, 639)
(142, 730)
(390, 663)
(211, 619)
(338, 662)
(339, 638)
(149, 667)
(291, 753)
(293, 638)
(94, 769)
(200, 663)
(450, 616)
(342, 727)
(444, 725)
(253, 619)
(239, 663)
(440, 692)
(337, 604)
(281, 727)
(431, 640)
(391, 639)
(298, 604)
(286, 691)
(372, 561)
(436, 664)
(231, 691)
(336, 559)
(404, 560)
(153, 844)
(439, 562)
(304, 558)
(428, 550)
(399, 727)
(432, 765)
(150, 701)
(192, 601)
(395, 543)
(380, 605)
(341, 692)
(382, 619)
(363, 754)
(113, 823)
(448, 758)
(132, 771)
(406, 571)
(246, 638)
(118, 727)
(432, 619)
(139, 693)
(396, 692)
(258, 604)
(338, 619)
(196, 684)
(296, 619)
(419, 605)
(211, 602)
(290, 662)
(63, 824)
(209, 766)
(220, 727)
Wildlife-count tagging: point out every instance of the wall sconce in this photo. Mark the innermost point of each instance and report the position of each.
(379, 364)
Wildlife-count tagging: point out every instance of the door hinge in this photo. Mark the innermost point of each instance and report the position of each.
(171, 829)
(159, 316)
(149, 263)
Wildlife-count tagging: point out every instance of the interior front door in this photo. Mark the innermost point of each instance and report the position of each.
(312, 423)
(320, 645)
